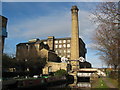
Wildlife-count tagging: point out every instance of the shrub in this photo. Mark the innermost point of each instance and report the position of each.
(61, 72)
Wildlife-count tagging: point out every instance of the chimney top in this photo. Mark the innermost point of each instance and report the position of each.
(74, 8)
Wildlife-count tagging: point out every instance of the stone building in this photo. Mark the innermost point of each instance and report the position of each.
(62, 46)
(3, 32)
(71, 48)
(53, 67)
(33, 50)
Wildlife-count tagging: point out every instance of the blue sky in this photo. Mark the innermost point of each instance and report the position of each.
(42, 19)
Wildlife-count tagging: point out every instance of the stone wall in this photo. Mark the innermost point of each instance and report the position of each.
(53, 67)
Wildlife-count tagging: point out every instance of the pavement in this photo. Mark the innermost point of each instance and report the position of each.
(108, 83)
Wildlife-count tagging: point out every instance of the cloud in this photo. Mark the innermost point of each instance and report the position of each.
(91, 45)
(87, 26)
(96, 62)
(58, 25)
(53, 25)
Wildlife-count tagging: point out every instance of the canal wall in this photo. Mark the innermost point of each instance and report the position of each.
(30, 84)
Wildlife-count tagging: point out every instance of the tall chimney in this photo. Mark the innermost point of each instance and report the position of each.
(75, 34)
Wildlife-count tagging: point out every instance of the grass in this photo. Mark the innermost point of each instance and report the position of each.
(99, 83)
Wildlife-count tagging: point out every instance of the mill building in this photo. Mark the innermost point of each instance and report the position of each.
(53, 48)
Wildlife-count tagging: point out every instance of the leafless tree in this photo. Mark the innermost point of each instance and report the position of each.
(107, 35)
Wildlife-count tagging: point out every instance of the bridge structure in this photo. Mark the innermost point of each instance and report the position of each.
(86, 74)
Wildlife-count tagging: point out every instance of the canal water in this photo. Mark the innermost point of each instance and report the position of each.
(67, 84)
(79, 84)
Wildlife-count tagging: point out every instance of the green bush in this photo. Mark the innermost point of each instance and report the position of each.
(61, 72)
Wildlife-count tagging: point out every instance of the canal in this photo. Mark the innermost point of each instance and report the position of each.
(51, 83)
(81, 83)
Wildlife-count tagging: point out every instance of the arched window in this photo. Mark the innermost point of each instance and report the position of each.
(49, 69)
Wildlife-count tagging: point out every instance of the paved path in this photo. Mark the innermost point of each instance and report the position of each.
(108, 83)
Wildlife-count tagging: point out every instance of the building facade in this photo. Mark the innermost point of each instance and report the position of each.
(35, 49)
(59, 46)
(71, 48)
(53, 67)
(3, 32)
(62, 46)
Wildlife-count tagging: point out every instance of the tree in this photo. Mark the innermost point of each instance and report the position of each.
(7, 61)
(29, 59)
(107, 35)
(35, 65)
(61, 72)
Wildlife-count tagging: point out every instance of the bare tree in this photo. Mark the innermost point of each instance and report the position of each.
(107, 35)
(29, 59)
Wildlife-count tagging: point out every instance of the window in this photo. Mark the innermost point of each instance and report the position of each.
(68, 56)
(28, 69)
(56, 52)
(68, 45)
(60, 41)
(64, 45)
(64, 41)
(64, 51)
(56, 46)
(45, 42)
(60, 51)
(49, 69)
(68, 41)
(56, 41)
(68, 51)
(60, 46)
(26, 60)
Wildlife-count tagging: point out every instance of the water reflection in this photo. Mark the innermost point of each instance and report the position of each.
(84, 84)
(72, 83)
(80, 85)
(77, 85)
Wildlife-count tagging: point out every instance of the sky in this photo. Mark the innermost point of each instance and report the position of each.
(29, 20)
